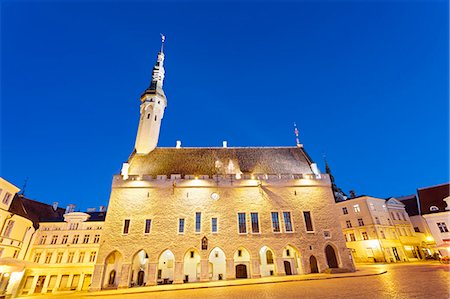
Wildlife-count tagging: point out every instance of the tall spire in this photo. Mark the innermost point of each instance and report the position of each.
(163, 39)
(157, 73)
(297, 141)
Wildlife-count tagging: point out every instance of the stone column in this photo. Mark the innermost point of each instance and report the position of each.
(46, 282)
(231, 271)
(280, 266)
(81, 281)
(255, 268)
(33, 284)
(57, 283)
(124, 276)
(151, 275)
(178, 273)
(96, 281)
(204, 270)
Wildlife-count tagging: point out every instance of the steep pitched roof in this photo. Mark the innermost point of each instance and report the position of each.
(411, 205)
(433, 196)
(34, 210)
(211, 161)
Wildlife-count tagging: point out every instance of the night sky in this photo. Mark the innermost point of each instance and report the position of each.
(366, 82)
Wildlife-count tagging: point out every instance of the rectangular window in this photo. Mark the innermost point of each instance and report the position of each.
(442, 227)
(348, 223)
(64, 239)
(242, 223)
(181, 225)
(92, 256)
(416, 229)
(148, 223)
(86, 239)
(42, 240)
(126, 226)
(198, 221)
(54, 239)
(352, 237)
(364, 236)
(59, 257)
(214, 225)
(37, 257)
(6, 198)
(356, 208)
(96, 239)
(75, 239)
(255, 222)
(81, 257)
(48, 257)
(372, 207)
(377, 220)
(275, 222)
(383, 236)
(8, 228)
(70, 257)
(344, 211)
(308, 221)
(360, 222)
(287, 221)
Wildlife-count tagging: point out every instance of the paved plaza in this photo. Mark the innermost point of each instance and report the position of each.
(412, 280)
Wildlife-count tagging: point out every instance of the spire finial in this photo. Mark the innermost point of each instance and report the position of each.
(22, 192)
(163, 38)
(296, 136)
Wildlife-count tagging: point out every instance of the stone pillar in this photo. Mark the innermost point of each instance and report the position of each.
(33, 284)
(57, 283)
(81, 281)
(151, 275)
(231, 271)
(46, 282)
(124, 276)
(280, 266)
(255, 268)
(96, 281)
(204, 270)
(178, 273)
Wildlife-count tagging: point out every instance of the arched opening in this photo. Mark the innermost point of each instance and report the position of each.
(139, 268)
(191, 265)
(331, 257)
(241, 271)
(217, 264)
(313, 264)
(166, 265)
(267, 261)
(241, 259)
(292, 256)
(113, 264)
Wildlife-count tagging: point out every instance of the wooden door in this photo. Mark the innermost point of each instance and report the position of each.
(241, 271)
(287, 268)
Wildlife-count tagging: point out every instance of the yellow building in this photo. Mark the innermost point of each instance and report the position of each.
(179, 215)
(378, 230)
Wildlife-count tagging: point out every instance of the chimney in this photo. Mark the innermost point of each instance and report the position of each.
(91, 210)
(70, 208)
(102, 209)
(178, 144)
(55, 206)
(224, 144)
(352, 193)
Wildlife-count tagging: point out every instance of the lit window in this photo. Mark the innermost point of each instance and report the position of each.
(37, 257)
(275, 222)
(96, 238)
(352, 237)
(344, 211)
(434, 209)
(214, 225)
(126, 226)
(360, 222)
(269, 257)
(70, 257)
(42, 240)
(54, 239)
(181, 225)
(308, 221)
(86, 239)
(442, 227)
(59, 257)
(255, 222)
(148, 223)
(356, 208)
(48, 257)
(64, 239)
(287, 221)
(242, 223)
(348, 223)
(75, 239)
(365, 236)
(198, 221)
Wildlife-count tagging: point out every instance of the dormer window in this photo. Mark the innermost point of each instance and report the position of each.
(434, 209)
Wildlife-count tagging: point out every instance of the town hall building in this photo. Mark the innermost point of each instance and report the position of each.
(183, 214)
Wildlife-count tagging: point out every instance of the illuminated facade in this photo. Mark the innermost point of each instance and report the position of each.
(379, 230)
(178, 215)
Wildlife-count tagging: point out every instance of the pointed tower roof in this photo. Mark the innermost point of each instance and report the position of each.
(157, 73)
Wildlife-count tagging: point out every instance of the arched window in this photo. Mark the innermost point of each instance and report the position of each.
(269, 257)
(148, 116)
(112, 277)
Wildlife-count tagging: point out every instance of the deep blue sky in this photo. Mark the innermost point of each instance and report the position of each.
(366, 82)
